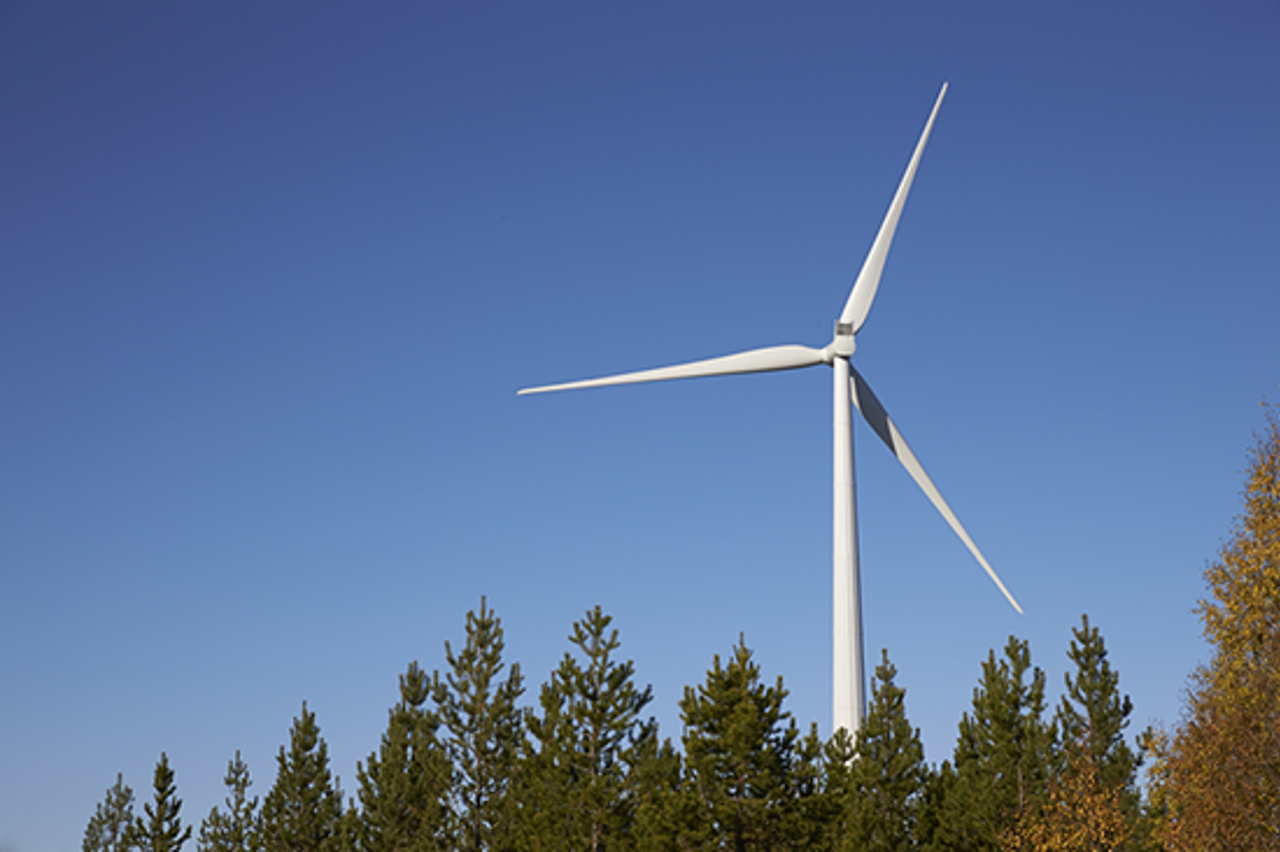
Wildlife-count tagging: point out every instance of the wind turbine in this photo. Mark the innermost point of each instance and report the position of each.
(849, 682)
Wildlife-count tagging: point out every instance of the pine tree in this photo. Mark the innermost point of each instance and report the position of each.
(161, 828)
(581, 784)
(483, 735)
(404, 788)
(1093, 715)
(110, 827)
(889, 773)
(739, 748)
(303, 810)
(830, 808)
(238, 828)
(661, 811)
(1003, 756)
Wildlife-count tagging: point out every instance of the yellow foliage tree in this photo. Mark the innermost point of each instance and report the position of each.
(1082, 814)
(1216, 780)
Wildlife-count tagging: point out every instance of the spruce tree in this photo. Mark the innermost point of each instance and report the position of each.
(161, 828)
(582, 782)
(303, 810)
(110, 827)
(1003, 756)
(889, 773)
(405, 786)
(238, 828)
(483, 735)
(740, 749)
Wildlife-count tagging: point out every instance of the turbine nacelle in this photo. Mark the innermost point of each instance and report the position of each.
(842, 345)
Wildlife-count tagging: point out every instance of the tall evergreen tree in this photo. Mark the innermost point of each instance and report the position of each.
(1003, 756)
(238, 828)
(1093, 715)
(160, 829)
(889, 773)
(660, 807)
(740, 748)
(303, 810)
(110, 827)
(581, 785)
(483, 735)
(405, 786)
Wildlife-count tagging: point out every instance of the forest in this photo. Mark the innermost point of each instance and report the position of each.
(471, 759)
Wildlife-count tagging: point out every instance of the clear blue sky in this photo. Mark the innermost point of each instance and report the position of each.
(270, 275)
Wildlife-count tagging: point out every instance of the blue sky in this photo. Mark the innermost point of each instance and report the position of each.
(272, 273)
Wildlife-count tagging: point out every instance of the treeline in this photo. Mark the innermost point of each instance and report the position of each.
(462, 765)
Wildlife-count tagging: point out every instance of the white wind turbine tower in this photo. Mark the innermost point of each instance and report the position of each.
(849, 681)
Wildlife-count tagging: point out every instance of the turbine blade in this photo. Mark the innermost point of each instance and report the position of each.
(864, 288)
(754, 361)
(875, 415)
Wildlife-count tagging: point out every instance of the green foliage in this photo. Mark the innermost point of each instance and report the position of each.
(1093, 715)
(161, 828)
(740, 749)
(580, 786)
(889, 773)
(238, 828)
(404, 788)
(484, 735)
(460, 766)
(109, 827)
(303, 810)
(1003, 756)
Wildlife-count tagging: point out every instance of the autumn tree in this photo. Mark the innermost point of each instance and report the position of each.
(483, 733)
(109, 827)
(236, 827)
(1220, 770)
(160, 827)
(581, 777)
(1083, 813)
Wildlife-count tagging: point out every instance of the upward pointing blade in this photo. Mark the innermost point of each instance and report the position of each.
(754, 361)
(875, 415)
(864, 288)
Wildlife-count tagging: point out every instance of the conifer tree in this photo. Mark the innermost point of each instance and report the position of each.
(661, 810)
(303, 810)
(739, 746)
(581, 785)
(1093, 715)
(889, 773)
(237, 828)
(830, 808)
(483, 735)
(110, 827)
(405, 786)
(1003, 756)
(160, 829)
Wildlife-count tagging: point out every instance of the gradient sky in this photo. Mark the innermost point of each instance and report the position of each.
(271, 274)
